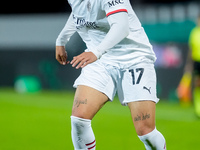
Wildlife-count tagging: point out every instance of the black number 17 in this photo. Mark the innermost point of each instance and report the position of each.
(140, 70)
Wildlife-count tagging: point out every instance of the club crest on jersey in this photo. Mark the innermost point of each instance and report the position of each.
(88, 6)
(115, 2)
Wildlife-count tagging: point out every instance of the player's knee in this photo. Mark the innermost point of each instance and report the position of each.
(144, 129)
(77, 114)
(80, 114)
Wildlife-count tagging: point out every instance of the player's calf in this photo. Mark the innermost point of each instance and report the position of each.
(82, 134)
(153, 140)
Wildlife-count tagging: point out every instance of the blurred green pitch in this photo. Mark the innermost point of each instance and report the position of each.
(41, 121)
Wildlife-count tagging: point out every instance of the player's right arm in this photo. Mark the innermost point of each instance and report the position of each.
(62, 39)
(61, 55)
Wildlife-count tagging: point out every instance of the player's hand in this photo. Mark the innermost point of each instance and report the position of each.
(83, 59)
(61, 55)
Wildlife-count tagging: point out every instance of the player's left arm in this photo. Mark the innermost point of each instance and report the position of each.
(119, 29)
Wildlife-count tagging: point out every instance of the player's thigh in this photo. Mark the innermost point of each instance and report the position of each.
(143, 116)
(87, 102)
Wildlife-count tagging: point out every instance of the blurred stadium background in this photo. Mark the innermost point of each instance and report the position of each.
(36, 92)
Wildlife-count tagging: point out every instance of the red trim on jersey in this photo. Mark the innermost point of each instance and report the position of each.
(90, 143)
(116, 11)
(92, 147)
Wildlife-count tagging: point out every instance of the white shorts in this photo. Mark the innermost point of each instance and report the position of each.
(136, 83)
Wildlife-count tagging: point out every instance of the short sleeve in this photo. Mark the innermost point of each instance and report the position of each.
(113, 6)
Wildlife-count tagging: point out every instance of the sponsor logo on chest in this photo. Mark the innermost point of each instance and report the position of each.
(81, 22)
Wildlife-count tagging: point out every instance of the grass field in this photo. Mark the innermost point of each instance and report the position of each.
(41, 121)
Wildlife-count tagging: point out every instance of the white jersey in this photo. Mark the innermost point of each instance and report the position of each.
(90, 19)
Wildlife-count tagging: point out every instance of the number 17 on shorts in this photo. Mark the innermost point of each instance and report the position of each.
(139, 83)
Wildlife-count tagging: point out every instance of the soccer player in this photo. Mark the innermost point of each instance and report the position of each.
(194, 60)
(118, 58)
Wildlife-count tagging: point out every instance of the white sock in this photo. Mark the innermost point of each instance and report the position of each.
(82, 134)
(153, 140)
